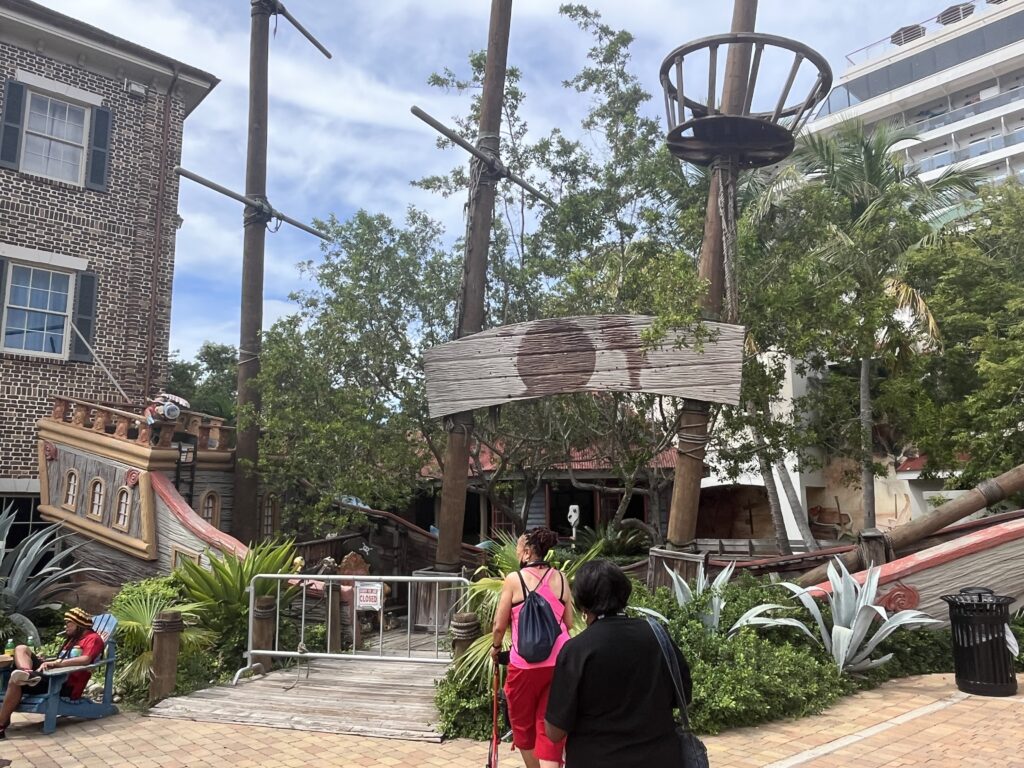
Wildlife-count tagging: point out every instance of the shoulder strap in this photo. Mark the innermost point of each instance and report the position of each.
(523, 582)
(673, 669)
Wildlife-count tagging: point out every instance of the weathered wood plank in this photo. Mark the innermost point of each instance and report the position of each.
(371, 698)
(581, 354)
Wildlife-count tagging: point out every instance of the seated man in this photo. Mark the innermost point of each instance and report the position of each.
(26, 679)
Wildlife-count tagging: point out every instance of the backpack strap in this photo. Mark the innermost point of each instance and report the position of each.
(523, 582)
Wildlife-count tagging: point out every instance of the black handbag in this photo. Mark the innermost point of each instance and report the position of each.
(695, 754)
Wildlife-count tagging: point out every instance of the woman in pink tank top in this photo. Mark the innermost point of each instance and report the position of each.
(527, 684)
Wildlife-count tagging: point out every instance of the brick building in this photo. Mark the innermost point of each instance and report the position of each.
(90, 130)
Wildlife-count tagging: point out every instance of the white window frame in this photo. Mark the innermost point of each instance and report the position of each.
(8, 267)
(91, 510)
(25, 132)
(124, 492)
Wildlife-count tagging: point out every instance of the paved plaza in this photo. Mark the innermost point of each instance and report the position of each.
(921, 721)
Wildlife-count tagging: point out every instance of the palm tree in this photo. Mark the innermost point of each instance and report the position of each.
(887, 210)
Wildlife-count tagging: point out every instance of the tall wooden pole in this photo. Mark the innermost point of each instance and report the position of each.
(690, 451)
(482, 188)
(245, 521)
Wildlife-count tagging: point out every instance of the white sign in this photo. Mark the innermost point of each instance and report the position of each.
(574, 514)
(369, 596)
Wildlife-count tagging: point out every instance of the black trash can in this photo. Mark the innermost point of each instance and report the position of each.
(981, 657)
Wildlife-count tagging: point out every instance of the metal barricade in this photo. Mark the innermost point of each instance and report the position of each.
(438, 593)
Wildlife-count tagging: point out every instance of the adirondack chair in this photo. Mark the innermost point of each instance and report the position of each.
(53, 705)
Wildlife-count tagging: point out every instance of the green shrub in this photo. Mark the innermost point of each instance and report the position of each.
(136, 606)
(464, 707)
(746, 680)
(918, 652)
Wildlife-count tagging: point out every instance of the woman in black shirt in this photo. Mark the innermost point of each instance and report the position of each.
(612, 693)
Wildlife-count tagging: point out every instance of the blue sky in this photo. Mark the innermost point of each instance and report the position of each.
(341, 135)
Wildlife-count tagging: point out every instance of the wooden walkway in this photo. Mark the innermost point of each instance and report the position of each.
(365, 697)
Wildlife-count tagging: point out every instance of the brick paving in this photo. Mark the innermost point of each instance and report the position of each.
(920, 721)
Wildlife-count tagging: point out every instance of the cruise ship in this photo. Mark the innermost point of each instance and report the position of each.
(955, 79)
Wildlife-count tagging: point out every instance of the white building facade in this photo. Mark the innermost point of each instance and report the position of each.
(955, 79)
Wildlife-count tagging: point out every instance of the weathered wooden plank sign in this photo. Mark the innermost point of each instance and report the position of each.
(603, 353)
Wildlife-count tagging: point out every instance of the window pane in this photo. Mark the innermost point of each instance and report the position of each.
(33, 341)
(19, 296)
(21, 276)
(37, 113)
(76, 124)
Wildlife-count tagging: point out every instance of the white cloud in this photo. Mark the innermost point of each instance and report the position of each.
(341, 135)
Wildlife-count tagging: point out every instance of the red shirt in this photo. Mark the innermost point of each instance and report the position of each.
(92, 646)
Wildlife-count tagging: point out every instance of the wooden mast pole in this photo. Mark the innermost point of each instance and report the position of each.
(482, 189)
(693, 433)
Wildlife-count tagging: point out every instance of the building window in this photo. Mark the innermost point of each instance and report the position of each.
(209, 508)
(55, 134)
(269, 515)
(70, 490)
(47, 134)
(96, 496)
(36, 311)
(123, 515)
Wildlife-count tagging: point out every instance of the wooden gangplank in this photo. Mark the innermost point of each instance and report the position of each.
(365, 697)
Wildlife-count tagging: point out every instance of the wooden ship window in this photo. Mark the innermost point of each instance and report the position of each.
(179, 555)
(209, 508)
(123, 513)
(269, 515)
(96, 494)
(70, 501)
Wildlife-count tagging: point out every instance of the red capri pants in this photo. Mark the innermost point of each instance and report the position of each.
(527, 693)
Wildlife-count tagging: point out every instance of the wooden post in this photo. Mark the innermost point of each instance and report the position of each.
(245, 520)
(334, 625)
(464, 629)
(263, 624)
(985, 494)
(689, 469)
(167, 628)
(871, 544)
(483, 187)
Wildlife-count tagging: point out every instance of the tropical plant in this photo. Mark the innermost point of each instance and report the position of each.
(32, 571)
(852, 614)
(615, 541)
(135, 615)
(220, 594)
(884, 210)
(684, 595)
(482, 598)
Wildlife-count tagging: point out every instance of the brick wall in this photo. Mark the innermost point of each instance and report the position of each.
(115, 230)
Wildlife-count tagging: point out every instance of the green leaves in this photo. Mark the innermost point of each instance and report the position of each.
(33, 570)
(219, 597)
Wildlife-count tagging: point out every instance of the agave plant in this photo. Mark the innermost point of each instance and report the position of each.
(482, 598)
(135, 615)
(32, 571)
(220, 594)
(854, 613)
(684, 595)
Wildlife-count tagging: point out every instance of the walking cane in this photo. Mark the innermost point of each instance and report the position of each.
(492, 752)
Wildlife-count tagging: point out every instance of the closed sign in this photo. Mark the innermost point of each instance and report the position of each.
(370, 596)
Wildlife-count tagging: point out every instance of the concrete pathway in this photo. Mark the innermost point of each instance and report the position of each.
(920, 721)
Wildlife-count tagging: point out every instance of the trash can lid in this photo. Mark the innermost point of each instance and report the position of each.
(977, 598)
(976, 591)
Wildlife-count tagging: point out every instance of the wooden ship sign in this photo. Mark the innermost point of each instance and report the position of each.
(603, 353)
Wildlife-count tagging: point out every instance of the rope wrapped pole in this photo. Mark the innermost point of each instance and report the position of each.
(167, 629)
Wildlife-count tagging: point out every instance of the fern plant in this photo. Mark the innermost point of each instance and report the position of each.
(853, 614)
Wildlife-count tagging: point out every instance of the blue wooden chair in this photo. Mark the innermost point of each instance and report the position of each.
(53, 705)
